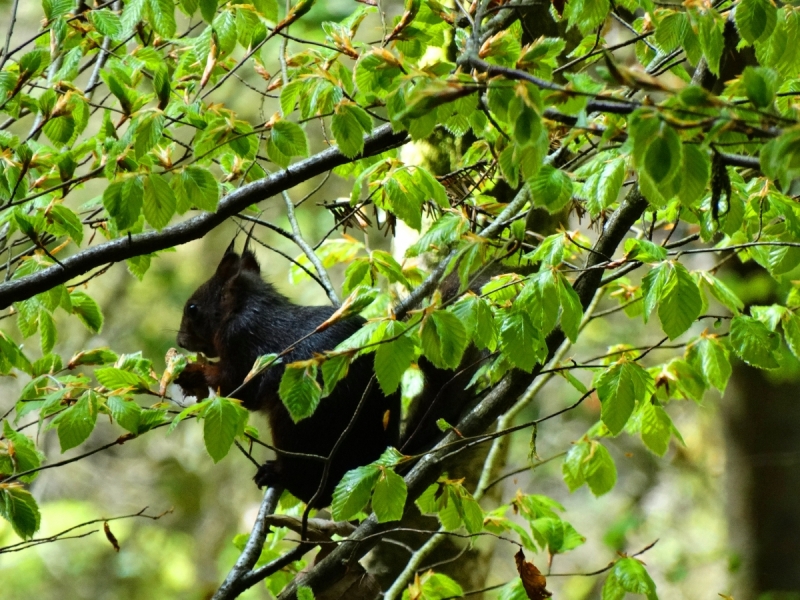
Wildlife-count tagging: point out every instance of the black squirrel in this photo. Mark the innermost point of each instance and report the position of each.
(236, 317)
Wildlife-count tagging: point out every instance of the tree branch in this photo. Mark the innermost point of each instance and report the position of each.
(382, 139)
(232, 586)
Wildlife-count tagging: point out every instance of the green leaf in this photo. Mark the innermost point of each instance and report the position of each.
(389, 498)
(391, 361)
(644, 250)
(159, 201)
(556, 535)
(761, 85)
(224, 26)
(290, 93)
(33, 63)
(695, 174)
(509, 167)
(149, 128)
(406, 197)
(445, 231)
(22, 454)
(653, 287)
(163, 17)
(725, 295)
(123, 201)
(520, 341)
(628, 575)
(680, 302)
(589, 462)
(352, 493)
(151, 417)
(540, 297)
(113, 378)
(551, 188)
(60, 129)
(385, 264)
(106, 22)
(376, 73)
(587, 15)
(471, 513)
(288, 139)
(223, 420)
(47, 328)
(550, 251)
(711, 356)
(305, 593)
(755, 19)
(619, 387)
(48, 364)
(485, 336)
(662, 159)
(610, 182)
(126, 412)
(791, 330)
(208, 8)
(19, 508)
(436, 586)
(430, 187)
(599, 470)
(656, 427)
(349, 124)
(711, 25)
(754, 343)
(196, 187)
(356, 274)
(299, 389)
(334, 369)
(11, 356)
(87, 310)
(70, 221)
(670, 31)
(571, 308)
(449, 514)
(77, 422)
(770, 315)
(689, 380)
(444, 339)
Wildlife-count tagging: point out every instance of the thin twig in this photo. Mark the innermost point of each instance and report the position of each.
(298, 239)
(10, 33)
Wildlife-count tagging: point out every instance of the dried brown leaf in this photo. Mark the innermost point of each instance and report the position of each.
(110, 536)
(532, 579)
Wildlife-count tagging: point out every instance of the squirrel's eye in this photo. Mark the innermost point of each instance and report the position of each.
(192, 309)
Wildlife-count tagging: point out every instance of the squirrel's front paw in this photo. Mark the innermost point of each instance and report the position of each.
(268, 474)
(193, 382)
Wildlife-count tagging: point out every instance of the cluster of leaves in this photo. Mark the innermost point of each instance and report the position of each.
(161, 146)
(67, 399)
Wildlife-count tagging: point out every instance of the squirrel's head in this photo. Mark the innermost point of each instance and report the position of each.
(217, 300)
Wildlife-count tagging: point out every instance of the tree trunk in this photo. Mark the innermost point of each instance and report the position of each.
(763, 458)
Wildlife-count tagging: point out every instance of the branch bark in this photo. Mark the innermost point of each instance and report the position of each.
(382, 139)
(232, 587)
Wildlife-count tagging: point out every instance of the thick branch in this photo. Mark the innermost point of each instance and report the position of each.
(382, 139)
(232, 586)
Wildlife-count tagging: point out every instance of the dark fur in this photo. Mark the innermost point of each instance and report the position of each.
(237, 317)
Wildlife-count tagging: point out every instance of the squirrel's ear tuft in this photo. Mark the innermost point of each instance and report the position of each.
(249, 262)
(229, 265)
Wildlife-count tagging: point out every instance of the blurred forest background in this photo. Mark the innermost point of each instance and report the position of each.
(724, 507)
